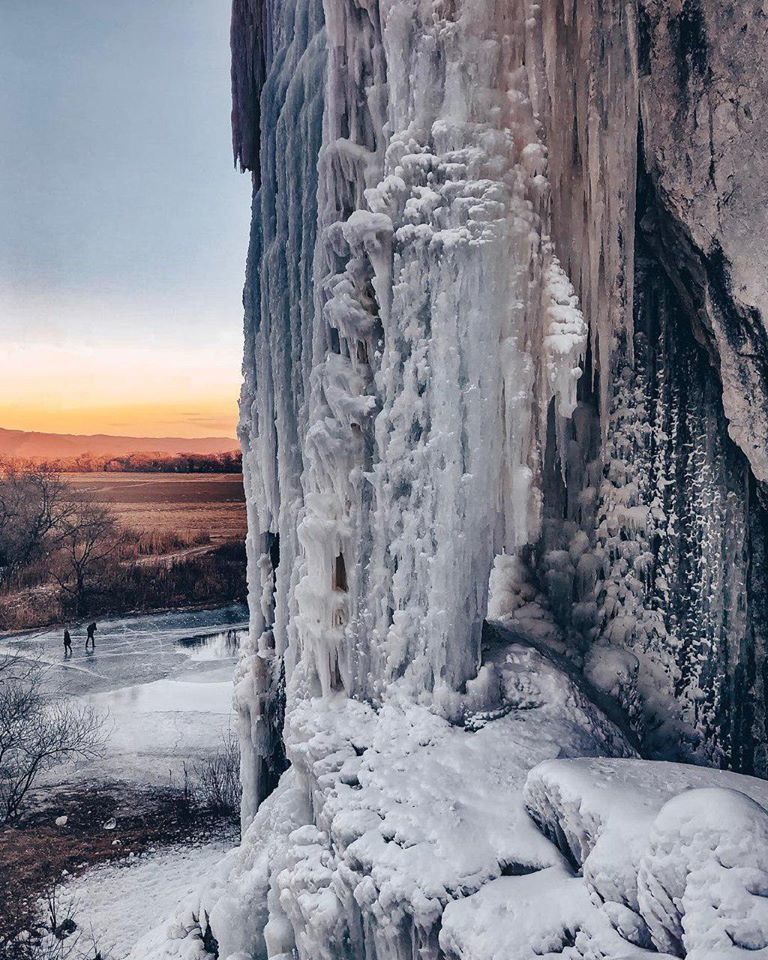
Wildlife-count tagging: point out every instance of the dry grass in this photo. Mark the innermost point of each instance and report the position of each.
(188, 506)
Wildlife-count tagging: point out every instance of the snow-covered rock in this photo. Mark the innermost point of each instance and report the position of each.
(546, 914)
(703, 880)
(675, 854)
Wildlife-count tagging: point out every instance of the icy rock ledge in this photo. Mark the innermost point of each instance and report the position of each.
(389, 814)
(676, 855)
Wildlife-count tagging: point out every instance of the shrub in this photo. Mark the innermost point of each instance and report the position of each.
(218, 786)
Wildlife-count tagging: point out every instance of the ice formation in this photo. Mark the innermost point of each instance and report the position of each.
(504, 423)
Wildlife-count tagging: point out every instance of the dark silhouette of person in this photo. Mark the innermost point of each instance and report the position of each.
(67, 643)
(90, 636)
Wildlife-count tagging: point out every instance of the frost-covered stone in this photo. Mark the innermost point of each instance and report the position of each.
(675, 854)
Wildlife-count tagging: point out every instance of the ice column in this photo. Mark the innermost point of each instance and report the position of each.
(277, 77)
(444, 326)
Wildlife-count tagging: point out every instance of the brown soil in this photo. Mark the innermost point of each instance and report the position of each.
(35, 853)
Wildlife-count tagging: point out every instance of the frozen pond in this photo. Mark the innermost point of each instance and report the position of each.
(163, 683)
(132, 650)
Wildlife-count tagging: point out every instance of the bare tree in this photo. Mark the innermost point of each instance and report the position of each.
(88, 536)
(34, 505)
(38, 730)
(219, 778)
(48, 524)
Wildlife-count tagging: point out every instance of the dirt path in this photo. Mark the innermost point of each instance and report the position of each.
(166, 559)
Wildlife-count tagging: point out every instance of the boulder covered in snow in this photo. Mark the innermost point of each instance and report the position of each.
(676, 855)
(703, 879)
(545, 914)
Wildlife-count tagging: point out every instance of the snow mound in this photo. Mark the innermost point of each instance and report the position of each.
(659, 844)
(547, 914)
(703, 881)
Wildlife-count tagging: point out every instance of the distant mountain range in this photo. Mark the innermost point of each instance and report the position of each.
(24, 444)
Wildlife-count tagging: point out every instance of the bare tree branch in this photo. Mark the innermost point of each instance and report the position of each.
(38, 731)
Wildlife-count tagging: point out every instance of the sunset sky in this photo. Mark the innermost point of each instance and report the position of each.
(123, 225)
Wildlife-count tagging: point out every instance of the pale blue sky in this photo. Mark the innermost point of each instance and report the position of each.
(123, 225)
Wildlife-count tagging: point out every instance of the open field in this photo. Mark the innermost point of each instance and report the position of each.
(188, 505)
(184, 547)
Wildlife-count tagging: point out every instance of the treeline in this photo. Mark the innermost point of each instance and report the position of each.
(230, 462)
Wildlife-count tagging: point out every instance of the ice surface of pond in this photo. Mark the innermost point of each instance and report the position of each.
(223, 645)
(195, 695)
(161, 728)
(163, 683)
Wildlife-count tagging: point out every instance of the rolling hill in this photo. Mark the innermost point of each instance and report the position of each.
(24, 444)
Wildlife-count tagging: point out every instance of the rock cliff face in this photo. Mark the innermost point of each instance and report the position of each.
(702, 98)
(504, 419)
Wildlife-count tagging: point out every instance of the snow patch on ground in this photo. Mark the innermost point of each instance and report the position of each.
(119, 902)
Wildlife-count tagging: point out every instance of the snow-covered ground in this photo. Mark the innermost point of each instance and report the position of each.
(163, 683)
(117, 904)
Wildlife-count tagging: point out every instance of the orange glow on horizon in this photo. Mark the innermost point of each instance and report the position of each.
(119, 390)
(213, 419)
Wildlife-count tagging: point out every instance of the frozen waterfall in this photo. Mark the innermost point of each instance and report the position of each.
(504, 418)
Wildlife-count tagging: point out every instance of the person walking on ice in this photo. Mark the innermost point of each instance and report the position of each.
(67, 643)
(90, 636)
